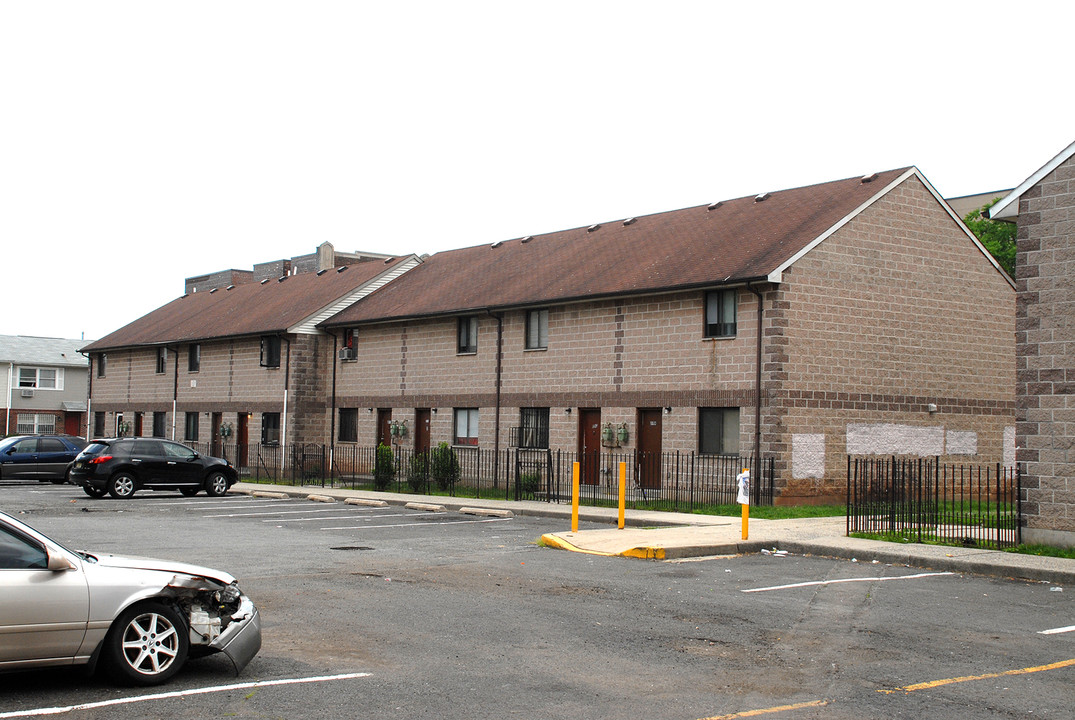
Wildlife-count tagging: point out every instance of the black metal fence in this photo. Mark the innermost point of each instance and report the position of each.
(660, 481)
(923, 500)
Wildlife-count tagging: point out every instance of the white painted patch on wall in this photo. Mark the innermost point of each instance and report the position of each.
(962, 442)
(808, 455)
(892, 439)
(1009, 446)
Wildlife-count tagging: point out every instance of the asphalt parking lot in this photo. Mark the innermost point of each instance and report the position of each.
(387, 612)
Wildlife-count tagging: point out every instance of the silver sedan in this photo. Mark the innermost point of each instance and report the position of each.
(137, 618)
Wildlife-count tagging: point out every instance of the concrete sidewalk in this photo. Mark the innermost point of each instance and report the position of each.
(666, 536)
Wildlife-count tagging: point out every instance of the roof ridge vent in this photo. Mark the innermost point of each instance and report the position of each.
(527, 239)
(629, 221)
(869, 178)
(497, 244)
(762, 197)
(341, 268)
(713, 206)
(592, 228)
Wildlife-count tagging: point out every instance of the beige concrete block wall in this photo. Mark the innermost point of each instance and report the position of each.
(1046, 356)
(862, 347)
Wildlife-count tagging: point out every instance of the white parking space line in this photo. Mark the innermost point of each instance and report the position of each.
(39, 712)
(1057, 631)
(846, 580)
(274, 512)
(421, 524)
(343, 517)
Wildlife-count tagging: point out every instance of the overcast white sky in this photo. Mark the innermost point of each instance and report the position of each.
(143, 142)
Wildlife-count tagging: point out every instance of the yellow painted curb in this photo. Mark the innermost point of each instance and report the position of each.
(645, 553)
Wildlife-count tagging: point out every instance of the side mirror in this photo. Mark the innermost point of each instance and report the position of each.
(58, 563)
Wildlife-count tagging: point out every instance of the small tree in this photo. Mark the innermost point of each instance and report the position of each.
(385, 468)
(997, 237)
(444, 466)
(418, 472)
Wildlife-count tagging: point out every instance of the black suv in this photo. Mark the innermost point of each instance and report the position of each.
(120, 466)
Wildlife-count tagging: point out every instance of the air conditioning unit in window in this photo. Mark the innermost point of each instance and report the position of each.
(27, 392)
(347, 354)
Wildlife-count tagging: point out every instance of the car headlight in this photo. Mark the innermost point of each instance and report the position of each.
(229, 594)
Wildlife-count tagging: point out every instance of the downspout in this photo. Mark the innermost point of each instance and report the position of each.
(10, 396)
(757, 385)
(287, 380)
(332, 420)
(89, 392)
(175, 391)
(499, 382)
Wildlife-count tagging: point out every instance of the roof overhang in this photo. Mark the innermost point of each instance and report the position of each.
(1008, 207)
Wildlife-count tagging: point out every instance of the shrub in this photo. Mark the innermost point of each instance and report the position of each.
(385, 469)
(444, 466)
(418, 472)
(529, 483)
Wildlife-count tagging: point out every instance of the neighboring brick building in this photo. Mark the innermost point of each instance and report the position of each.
(245, 355)
(1043, 208)
(44, 386)
(885, 329)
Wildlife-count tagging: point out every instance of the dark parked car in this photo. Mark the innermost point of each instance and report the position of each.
(121, 466)
(38, 457)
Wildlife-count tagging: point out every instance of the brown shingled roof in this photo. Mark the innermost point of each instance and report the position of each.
(741, 240)
(249, 309)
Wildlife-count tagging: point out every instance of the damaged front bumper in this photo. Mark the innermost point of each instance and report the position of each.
(241, 640)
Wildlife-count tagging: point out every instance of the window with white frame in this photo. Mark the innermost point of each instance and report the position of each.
(36, 424)
(466, 426)
(537, 329)
(41, 378)
(718, 431)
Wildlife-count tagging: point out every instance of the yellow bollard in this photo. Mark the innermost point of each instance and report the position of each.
(575, 497)
(623, 491)
(746, 517)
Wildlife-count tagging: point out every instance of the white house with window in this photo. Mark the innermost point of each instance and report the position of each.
(44, 385)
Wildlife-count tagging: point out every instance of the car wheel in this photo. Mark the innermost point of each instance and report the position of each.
(189, 492)
(94, 492)
(147, 644)
(121, 486)
(216, 485)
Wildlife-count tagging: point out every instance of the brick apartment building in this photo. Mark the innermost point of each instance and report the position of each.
(1043, 208)
(240, 351)
(44, 386)
(857, 316)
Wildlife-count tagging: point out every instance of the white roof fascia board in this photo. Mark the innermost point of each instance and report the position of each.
(308, 325)
(1008, 207)
(776, 276)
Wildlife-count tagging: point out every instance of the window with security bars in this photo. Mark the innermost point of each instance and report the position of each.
(534, 428)
(348, 425)
(36, 424)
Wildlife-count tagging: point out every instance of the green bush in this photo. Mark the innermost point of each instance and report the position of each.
(444, 466)
(385, 469)
(529, 483)
(418, 472)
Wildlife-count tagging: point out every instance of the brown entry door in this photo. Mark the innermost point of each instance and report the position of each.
(421, 430)
(214, 438)
(384, 429)
(649, 448)
(242, 438)
(589, 446)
